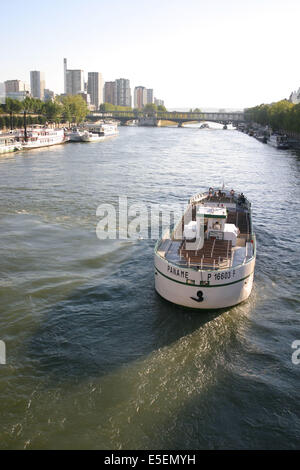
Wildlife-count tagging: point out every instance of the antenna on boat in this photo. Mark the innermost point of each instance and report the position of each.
(223, 185)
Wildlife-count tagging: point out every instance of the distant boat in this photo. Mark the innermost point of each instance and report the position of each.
(262, 138)
(278, 141)
(100, 132)
(75, 135)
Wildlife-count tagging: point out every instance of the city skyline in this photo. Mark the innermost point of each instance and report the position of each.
(226, 55)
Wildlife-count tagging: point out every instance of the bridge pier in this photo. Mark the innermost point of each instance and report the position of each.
(148, 121)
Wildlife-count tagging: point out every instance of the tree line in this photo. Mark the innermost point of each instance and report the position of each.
(67, 109)
(280, 116)
(149, 107)
(70, 109)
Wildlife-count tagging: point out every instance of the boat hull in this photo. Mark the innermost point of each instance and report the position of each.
(189, 288)
(30, 146)
(9, 149)
(278, 146)
(86, 138)
(75, 138)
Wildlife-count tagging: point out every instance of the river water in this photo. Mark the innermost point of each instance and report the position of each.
(94, 358)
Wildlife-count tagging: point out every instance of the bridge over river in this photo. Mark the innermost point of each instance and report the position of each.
(155, 119)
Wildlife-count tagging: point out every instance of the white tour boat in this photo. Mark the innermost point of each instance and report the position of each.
(97, 132)
(40, 137)
(278, 141)
(208, 261)
(8, 144)
(75, 135)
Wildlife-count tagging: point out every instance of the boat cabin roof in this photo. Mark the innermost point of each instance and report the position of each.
(212, 212)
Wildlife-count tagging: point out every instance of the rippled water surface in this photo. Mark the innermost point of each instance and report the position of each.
(95, 359)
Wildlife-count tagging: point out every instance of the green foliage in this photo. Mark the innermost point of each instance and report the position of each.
(70, 109)
(52, 111)
(12, 106)
(150, 108)
(108, 107)
(18, 121)
(74, 108)
(281, 115)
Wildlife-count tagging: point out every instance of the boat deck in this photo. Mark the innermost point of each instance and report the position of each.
(211, 256)
(215, 253)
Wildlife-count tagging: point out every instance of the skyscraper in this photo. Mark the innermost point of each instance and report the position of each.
(15, 86)
(74, 82)
(65, 76)
(95, 88)
(16, 89)
(109, 92)
(150, 98)
(2, 93)
(37, 84)
(122, 92)
(140, 97)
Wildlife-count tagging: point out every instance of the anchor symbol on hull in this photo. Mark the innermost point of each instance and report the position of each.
(199, 296)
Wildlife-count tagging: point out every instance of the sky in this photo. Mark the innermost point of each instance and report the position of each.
(193, 53)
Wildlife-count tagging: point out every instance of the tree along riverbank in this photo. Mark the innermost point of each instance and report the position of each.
(67, 110)
(282, 116)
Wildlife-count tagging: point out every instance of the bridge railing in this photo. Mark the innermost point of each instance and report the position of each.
(169, 115)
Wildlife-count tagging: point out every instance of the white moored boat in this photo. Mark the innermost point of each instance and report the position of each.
(208, 261)
(97, 132)
(40, 137)
(278, 141)
(75, 135)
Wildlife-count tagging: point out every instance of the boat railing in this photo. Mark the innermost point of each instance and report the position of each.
(203, 264)
(212, 265)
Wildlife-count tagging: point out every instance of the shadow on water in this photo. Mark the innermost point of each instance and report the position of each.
(225, 418)
(101, 327)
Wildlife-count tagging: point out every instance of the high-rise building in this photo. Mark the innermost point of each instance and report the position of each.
(86, 97)
(2, 93)
(122, 92)
(74, 82)
(150, 98)
(109, 92)
(37, 84)
(15, 86)
(95, 88)
(140, 97)
(65, 76)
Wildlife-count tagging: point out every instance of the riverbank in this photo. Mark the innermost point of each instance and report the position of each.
(263, 133)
